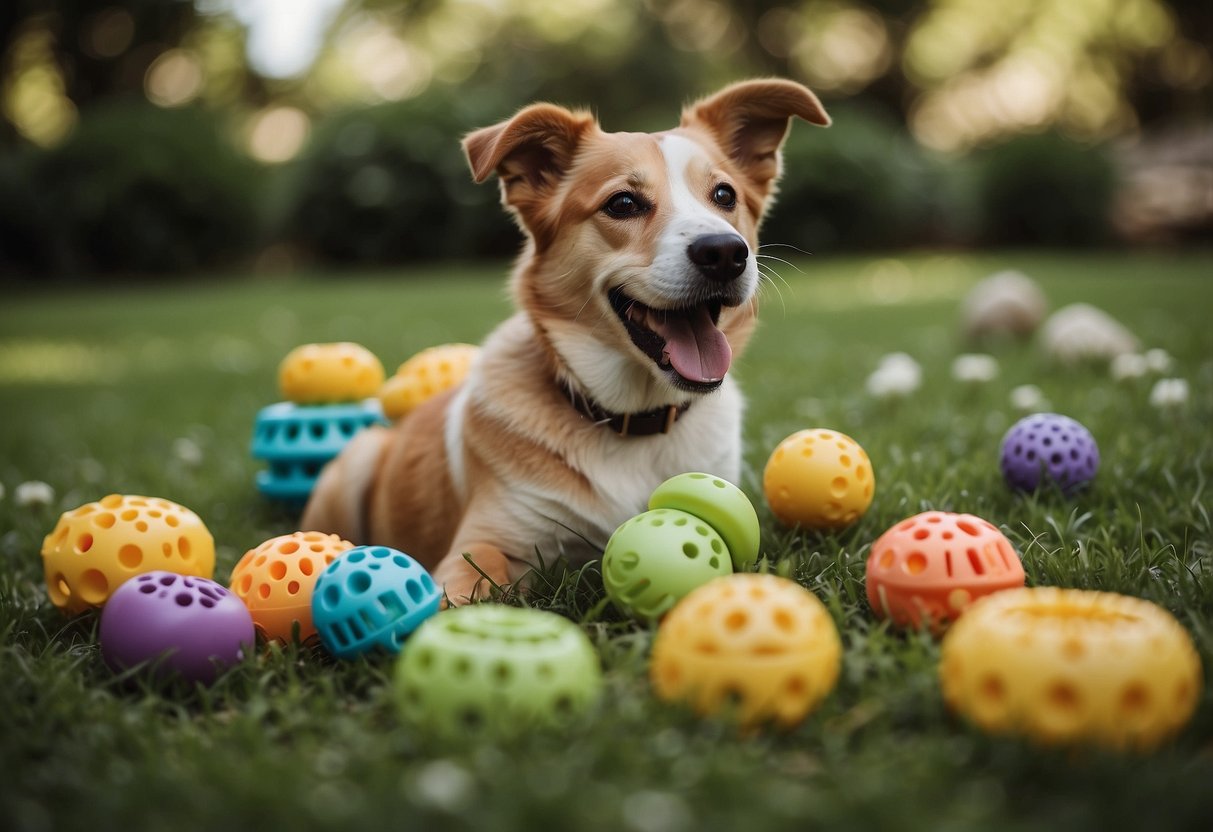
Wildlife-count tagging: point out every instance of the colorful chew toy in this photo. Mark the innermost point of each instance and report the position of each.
(276, 581)
(1048, 447)
(97, 547)
(497, 670)
(425, 375)
(329, 373)
(371, 598)
(698, 527)
(929, 568)
(1068, 666)
(758, 647)
(819, 479)
(188, 626)
(328, 389)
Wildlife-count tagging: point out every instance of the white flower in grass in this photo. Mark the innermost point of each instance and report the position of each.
(444, 785)
(1169, 393)
(1128, 365)
(897, 375)
(1158, 360)
(974, 368)
(33, 493)
(1028, 397)
(187, 451)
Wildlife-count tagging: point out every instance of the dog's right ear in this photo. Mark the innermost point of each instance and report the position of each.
(531, 153)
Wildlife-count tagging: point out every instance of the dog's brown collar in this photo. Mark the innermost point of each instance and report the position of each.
(648, 423)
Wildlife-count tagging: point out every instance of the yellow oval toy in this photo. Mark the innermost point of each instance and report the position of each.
(819, 479)
(760, 644)
(276, 579)
(1065, 666)
(96, 548)
(425, 375)
(329, 373)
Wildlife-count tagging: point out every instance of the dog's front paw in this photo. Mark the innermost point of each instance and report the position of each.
(469, 573)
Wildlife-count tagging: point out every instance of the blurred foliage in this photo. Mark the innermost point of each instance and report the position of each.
(134, 189)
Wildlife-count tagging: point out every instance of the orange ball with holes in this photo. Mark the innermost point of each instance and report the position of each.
(928, 568)
(96, 548)
(819, 479)
(276, 579)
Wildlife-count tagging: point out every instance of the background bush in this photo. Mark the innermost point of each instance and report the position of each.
(134, 189)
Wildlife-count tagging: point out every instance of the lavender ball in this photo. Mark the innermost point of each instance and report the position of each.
(193, 626)
(1049, 447)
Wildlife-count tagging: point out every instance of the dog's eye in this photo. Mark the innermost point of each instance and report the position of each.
(724, 196)
(624, 205)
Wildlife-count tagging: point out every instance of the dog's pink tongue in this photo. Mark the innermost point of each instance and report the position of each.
(697, 349)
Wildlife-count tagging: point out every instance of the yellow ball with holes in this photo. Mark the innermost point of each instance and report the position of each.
(758, 647)
(425, 375)
(329, 373)
(96, 548)
(1068, 666)
(819, 479)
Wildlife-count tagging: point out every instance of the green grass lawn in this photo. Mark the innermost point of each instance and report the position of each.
(115, 390)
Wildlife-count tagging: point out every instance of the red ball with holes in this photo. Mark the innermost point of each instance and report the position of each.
(928, 568)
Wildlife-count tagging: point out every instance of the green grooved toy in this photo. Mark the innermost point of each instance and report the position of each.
(722, 505)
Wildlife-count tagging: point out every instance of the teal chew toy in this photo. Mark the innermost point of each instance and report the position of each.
(653, 560)
(721, 505)
(298, 440)
(371, 598)
(496, 670)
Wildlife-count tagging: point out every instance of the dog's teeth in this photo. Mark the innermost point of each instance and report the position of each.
(665, 358)
(636, 313)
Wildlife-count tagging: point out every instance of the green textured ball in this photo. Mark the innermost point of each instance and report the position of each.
(720, 504)
(656, 558)
(494, 670)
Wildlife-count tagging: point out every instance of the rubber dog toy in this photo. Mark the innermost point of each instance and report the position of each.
(1068, 666)
(720, 504)
(497, 670)
(187, 626)
(371, 598)
(757, 647)
(97, 547)
(329, 373)
(1048, 448)
(425, 375)
(276, 581)
(928, 568)
(819, 479)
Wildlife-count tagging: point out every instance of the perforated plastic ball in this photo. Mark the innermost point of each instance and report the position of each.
(720, 504)
(329, 373)
(97, 547)
(930, 567)
(496, 670)
(819, 479)
(1048, 448)
(276, 581)
(371, 598)
(653, 560)
(758, 647)
(187, 626)
(1068, 666)
(425, 375)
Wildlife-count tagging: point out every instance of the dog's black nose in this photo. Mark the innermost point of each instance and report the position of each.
(720, 257)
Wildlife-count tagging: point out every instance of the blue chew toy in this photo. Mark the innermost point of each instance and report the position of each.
(298, 440)
(369, 598)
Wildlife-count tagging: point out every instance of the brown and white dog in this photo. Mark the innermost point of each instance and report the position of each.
(635, 289)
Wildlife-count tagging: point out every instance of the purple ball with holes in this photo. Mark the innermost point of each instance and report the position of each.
(1049, 448)
(192, 627)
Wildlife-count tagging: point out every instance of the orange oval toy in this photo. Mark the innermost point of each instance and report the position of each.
(428, 373)
(930, 567)
(276, 579)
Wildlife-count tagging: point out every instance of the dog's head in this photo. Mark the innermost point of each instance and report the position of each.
(640, 268)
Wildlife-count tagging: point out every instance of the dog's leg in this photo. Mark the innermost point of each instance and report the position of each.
(338, 502)
(464, 583)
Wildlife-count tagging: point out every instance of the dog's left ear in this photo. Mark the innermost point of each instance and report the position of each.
(750, 120)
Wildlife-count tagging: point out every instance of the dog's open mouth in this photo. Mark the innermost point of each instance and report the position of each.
(685, 342)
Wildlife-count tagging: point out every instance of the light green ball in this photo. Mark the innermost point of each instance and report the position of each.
(720, 504)
(489, 669)
(656, 558)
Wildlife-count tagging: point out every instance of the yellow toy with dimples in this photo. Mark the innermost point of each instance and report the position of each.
(427, 374)
(819, 479)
